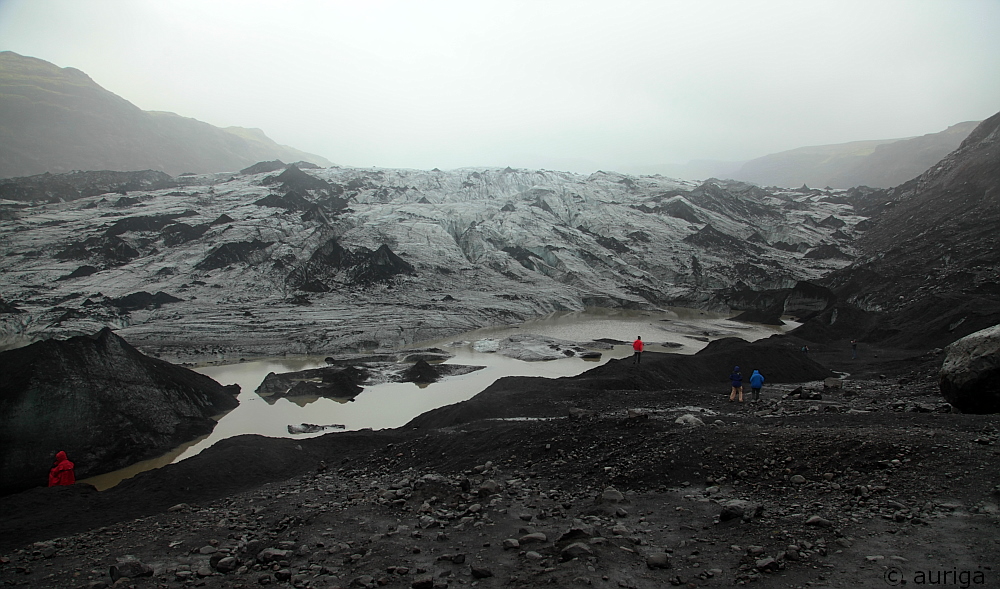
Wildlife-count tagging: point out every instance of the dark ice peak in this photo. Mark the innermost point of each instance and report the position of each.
(293, 200)
(295, 180)
(227, 254)
(113, 250)
(734, 199)
(143, 300)
(150, 223)
(712, 239)
(381, 266)
(263, 167)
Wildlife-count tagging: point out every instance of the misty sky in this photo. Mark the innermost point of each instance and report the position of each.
(570, 85)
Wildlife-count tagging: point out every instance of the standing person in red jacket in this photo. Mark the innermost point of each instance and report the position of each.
(637, 349)
(62, 472)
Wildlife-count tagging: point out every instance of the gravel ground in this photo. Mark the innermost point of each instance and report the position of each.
(874, 483)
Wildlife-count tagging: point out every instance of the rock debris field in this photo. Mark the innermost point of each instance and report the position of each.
(865, 481)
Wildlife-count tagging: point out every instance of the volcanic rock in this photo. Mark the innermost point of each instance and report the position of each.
(130, 567)
(102, 401)
(421, 372)
(335, 382)
(178, 233)
(770, 316)
(143, 300)
(6, 307)
(291, 201)
(151, 223)
(827, 252)
(295, 180)
(380, 266)
(970, 375)
(75, 185)
(925, 277)
(263, 167)
(688, 419)
(228, 254)
(735, 509)
(112, 250)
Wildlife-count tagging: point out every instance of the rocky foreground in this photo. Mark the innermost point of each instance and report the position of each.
(864, 481)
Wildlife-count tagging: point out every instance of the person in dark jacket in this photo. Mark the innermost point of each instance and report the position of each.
(736, 379)
(62, 471)
(637, 346)
(756, 382)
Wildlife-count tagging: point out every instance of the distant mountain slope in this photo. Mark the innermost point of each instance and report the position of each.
(693, 170)
(947, 218)
(879, 163)
(929, 274)
(56, 119)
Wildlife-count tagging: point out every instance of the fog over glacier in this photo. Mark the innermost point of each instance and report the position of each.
(574, 86)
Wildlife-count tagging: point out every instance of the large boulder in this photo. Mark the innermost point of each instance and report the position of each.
(970, 375)
(100, 400)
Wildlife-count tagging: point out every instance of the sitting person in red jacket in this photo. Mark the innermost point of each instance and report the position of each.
(62, 472)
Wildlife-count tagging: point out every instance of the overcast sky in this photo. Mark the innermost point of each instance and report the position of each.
(573, 85)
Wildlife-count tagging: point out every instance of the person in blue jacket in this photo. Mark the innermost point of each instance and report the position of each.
(756, 382)
(736, 379)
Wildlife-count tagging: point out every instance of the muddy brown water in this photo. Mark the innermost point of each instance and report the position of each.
(392, 405)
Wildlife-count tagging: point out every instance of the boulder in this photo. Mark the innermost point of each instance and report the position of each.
(611, 495)
(130, 567)
(740, 509)
(658, 560)
(688, 419)
(421, 372)
(102, 401)
(970, 376)
(735, 509)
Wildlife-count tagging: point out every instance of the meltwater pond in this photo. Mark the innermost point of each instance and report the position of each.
(392, 405)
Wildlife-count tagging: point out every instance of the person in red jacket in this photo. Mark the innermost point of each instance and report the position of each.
(62, 472)
(637, 349)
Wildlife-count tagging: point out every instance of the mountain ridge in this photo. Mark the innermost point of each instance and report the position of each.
(56, 120)
(880, 163)
(927, 269)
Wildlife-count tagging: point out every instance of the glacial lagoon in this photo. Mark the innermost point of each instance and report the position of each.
(392, 405)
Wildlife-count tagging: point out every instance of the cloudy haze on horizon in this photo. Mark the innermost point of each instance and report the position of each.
(577, 86)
